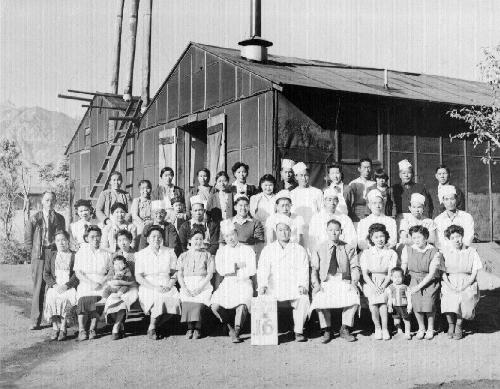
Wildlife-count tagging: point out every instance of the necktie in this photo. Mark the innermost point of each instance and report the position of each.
(332, 269)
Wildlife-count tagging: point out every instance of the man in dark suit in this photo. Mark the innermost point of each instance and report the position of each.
(443, 178)
(39, 241)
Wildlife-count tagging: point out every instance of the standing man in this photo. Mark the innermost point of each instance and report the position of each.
(283, 273)
(403, 190)
(443, 178)
(360, 187)
(287, 177)
(39, 240)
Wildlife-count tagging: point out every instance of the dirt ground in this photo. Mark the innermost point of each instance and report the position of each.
(29, 360)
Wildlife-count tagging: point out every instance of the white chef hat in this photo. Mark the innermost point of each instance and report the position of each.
(283, 194)
(373, 194)
(281, 219)
(299, 167)
(157, 205)
(445, 191)
(404, 164)
(197, 199)
(417, 198)
(227, 226)
(287, 164)
(329, 192)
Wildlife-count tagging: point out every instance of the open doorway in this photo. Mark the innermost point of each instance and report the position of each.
(195, 149)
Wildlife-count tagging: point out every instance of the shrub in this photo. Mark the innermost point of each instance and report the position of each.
(12, 252)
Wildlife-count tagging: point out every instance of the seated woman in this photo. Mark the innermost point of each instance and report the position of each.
(220, 202)
(376, 265)
(93, 267)
(203, 188)
(60, 298)
(155, 271)
(423, 263)
(77, 229)
(459, 288)
(195, 269)
(118, 304)
(141, 206)
(236, 264)
(110, 196)
(240, 186)
(117, 223)
(263, 204)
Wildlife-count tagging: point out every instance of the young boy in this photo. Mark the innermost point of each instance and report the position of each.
(399, 302)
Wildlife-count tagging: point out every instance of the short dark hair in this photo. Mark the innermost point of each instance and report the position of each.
(453, 229)
(419, 229)
(125, 233)
(116, 173)
(380, 173)
(397, 269)
(117, 205)
(176, 199)
(335, 166)
(49, 192)
(237, 165)
(89, 230)
(334, 221)
(220, 174)
(204, 170)
(166, 169)
(154, 227)
(147, 182)
(377, 227)
(269, 178)
(120, 258)
(194, 231)
(241, 198)
(82, 203)
(365, 160)
(62, 232)
(443, 166)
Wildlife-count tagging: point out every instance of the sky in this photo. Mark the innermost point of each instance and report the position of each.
(49, 46)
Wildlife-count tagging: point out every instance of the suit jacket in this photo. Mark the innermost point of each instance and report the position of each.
(438, 207)
(49, 271)
(35, 229)
(214, 231)
(281, 186)
(251, 190)
(170, 237)
(402, 195)
(214, 210)
(347, 259)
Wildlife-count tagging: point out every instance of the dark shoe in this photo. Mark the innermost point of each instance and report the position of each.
(189, 334)
(62, 335)
(92, 334)
(82, 335)
(451, 331)
(55, 335)
(115, 336)
(459, 334)
(327, 336)
(346, 334)
(196, 334)
(152, 334)
(300, 338)
(34, 327)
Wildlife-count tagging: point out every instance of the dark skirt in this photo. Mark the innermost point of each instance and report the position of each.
(192, 311)
(86, 305)
(426, 299)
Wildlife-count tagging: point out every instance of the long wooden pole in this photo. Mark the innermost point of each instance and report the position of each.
(117, 47)
(134, 8)
(146, 54)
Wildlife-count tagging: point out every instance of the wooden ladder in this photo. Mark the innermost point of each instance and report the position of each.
(115, 150)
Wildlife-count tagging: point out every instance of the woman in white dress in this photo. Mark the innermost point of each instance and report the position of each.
(262, 205)
(195, 269)
(235, 262)
(459, 289)
(155, 271)
(93, 267)
(78, 228)
(60, 298)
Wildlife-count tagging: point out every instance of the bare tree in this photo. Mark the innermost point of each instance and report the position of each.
(10, 183)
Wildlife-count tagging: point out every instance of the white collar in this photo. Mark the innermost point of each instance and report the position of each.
(414, 247)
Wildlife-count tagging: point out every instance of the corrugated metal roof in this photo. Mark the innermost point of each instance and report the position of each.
(334, 76)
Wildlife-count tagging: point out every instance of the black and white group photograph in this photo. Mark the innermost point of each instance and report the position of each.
(250, 194)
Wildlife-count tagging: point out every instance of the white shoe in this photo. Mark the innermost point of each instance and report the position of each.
(386, 335)
(378, 334)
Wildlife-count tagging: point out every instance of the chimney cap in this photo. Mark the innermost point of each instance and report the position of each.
(255, 41)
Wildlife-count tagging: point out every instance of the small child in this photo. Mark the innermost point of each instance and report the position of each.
(382, 184)
(122, 272)
(399, 302)
(177, 214)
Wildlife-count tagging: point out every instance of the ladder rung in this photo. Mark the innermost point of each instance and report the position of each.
(103, 171)
(98, 184)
